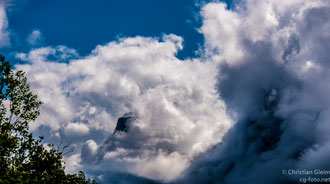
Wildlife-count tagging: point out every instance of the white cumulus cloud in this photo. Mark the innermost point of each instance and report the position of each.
(179, 113)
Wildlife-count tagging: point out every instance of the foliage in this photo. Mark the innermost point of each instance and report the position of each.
(23, 159)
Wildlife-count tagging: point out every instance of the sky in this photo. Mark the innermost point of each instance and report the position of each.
(84, 24)
(159, 91)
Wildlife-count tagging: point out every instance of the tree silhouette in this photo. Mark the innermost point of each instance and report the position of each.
(23, 159)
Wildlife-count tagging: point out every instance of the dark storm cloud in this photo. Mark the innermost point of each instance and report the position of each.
(281, 103)
(254, 90)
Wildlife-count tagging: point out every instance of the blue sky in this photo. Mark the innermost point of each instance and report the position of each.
(83, 24)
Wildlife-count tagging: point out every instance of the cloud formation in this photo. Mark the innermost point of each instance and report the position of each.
(264, 77)
(177, 110)
(273, 75)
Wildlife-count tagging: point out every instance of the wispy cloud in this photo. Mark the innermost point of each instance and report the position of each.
(4, 33)
(35, 38)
